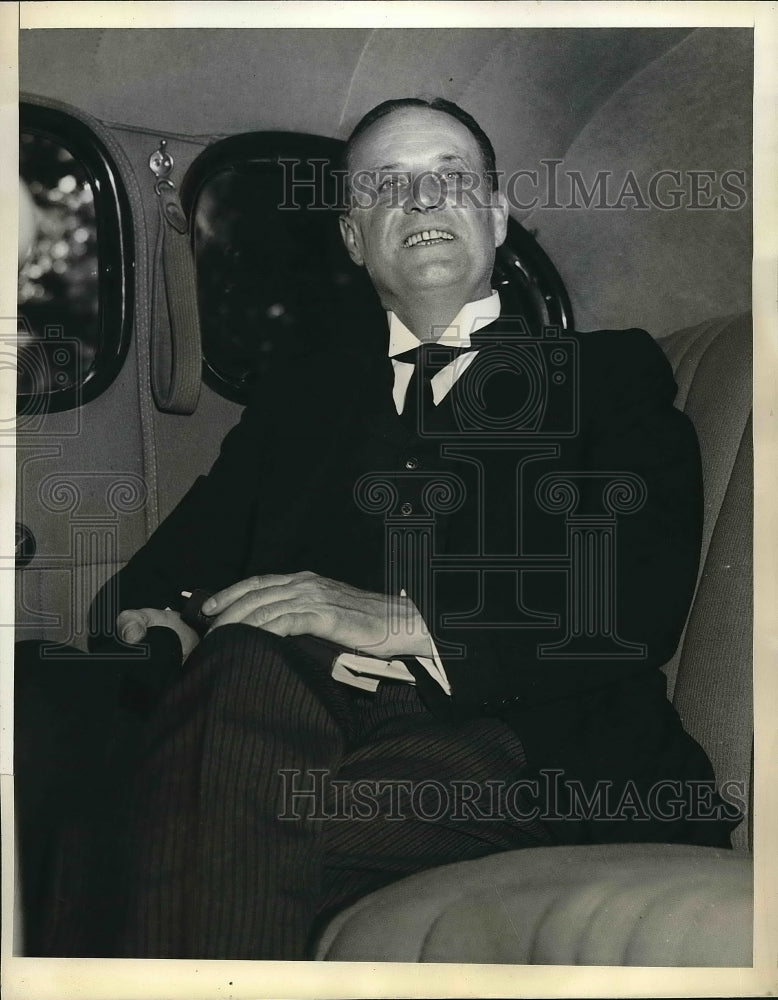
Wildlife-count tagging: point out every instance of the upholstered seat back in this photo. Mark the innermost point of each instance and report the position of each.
(710, 677)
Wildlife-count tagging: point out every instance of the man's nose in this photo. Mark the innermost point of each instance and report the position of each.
(425, 192)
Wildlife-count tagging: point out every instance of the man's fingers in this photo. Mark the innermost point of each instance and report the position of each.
(222, 600)
(132, 626)
(134, 623)
(133, 633)
(256, 608)
(292, 623)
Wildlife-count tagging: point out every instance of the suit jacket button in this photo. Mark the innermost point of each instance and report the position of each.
(411, 463)
(406, 509)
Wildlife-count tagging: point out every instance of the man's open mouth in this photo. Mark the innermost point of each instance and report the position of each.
(427, 237)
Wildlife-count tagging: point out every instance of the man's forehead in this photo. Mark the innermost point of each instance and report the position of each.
(409, 133)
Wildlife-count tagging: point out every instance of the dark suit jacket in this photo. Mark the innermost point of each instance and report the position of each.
(298, 485)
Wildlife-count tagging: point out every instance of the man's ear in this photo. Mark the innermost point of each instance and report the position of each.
(350, 236)
(499, 211)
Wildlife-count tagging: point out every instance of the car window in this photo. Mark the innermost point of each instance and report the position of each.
(273, 276)
(75, 263)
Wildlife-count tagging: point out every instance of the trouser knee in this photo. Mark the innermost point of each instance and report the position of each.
(244, 670)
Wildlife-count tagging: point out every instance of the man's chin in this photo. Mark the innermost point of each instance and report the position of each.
(432, 274)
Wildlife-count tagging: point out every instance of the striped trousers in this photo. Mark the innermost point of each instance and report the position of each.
(266, 797)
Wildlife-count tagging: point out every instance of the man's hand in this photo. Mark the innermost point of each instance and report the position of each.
(134, 624)
(307, 604)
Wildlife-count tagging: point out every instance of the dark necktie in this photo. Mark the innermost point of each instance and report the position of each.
(427, 361)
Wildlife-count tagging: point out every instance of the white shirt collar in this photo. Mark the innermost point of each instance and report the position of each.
(473, 316)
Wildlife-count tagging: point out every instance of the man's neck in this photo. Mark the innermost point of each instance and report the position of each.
(429, 315)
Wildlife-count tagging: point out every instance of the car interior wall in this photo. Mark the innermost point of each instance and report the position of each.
(525, 85)
(196, 81)
(664, 270)
(118, 436)
(69, 466)
(532, 90)
(185, 446)
(87, 450)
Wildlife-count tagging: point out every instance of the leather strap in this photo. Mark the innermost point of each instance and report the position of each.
(176, 353)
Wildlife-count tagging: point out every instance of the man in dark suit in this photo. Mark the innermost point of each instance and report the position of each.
(512, 521)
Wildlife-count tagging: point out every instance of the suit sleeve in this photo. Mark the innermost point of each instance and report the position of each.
(202, 543)
(629, 425)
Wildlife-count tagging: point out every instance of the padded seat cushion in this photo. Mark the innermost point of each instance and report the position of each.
(614, 904)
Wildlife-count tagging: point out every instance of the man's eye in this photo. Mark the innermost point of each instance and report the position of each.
(390, 183)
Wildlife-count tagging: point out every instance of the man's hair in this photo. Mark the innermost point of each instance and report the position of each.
(434, 104)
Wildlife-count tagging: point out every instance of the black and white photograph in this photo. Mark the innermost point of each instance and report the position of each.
(386, 388)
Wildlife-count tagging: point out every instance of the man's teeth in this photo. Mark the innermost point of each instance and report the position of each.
(427, 236)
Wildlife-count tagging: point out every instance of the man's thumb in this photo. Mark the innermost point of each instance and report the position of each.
(133, 632)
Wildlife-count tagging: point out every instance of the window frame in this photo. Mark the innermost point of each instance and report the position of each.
(115, 257)
(256, 147)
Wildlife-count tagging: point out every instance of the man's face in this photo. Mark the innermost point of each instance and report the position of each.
(411, 168)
